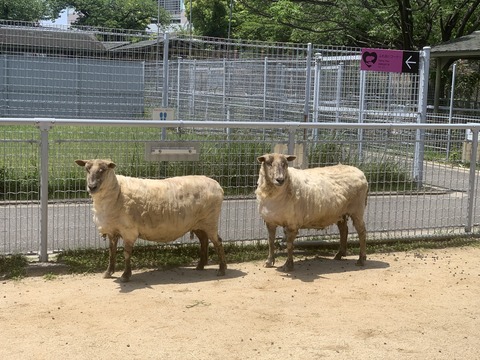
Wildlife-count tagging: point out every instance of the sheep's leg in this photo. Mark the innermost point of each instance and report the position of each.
(291, 235)
(217, 243)
(272, 230)
(202, 236)
(362, 236)
(128, 266)
(112, 250)
(343, 229)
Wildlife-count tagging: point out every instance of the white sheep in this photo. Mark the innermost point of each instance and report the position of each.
(310, 199)
(154, 210)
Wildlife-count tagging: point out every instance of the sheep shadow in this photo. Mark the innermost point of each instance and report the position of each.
(181, 275)
(311, 269)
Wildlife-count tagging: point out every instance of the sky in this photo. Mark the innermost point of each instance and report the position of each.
(61, 20)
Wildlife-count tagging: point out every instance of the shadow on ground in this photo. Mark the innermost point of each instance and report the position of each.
(311, 269)
(181, 275)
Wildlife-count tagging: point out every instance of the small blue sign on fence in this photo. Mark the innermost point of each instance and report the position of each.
(163, 113)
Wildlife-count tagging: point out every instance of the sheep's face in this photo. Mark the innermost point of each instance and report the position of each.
(275, 167)
(97, 172)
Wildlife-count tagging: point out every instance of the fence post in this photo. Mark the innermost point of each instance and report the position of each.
(308, 79)
(361, 108)
(291, 141)
(165, 78)
(316, 91)
(471, 181)
(422, 117)
(44, 126)
(450, 111)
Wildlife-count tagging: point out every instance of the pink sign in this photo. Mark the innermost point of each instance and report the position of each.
(389, 60)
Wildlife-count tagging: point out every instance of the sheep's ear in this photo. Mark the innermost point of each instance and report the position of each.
(290, 157)
(111, 165)
(81, 162)
(261, 159)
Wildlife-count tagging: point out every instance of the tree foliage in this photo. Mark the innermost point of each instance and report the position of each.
(400, 24)
(29, 10)
(118, 14)
(210, 17)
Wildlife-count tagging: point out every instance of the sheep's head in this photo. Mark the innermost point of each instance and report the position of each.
(275, 166)
(97, 172)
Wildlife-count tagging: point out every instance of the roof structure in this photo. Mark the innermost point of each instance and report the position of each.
(35, 39)
(465, 47)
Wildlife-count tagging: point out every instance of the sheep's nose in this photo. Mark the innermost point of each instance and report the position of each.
(279, 181)
(92, 187)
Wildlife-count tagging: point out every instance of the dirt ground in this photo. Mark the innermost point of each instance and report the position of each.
(413, 305)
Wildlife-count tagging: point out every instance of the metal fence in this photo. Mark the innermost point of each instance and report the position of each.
(78, 72)
(236, 100)
(45, 208)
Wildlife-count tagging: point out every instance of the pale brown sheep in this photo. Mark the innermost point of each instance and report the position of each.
(154, 210)
(310, 199)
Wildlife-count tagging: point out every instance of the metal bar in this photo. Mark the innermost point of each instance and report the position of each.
(306, 108)
(338, 96)
(44, 128)
(450, 111)
(232, 124)
(316, 91)
(361, 107)
(422, 117)
(471, 181)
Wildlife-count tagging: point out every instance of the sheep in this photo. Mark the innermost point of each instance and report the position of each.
(154, 210)
(310, 199)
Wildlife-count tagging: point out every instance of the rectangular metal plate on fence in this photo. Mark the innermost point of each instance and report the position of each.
(172, 151)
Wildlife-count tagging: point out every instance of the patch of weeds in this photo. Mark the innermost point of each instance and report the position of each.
(13, 266)
(406, 245)
(85, 260)
(49, 276)
(158, 256)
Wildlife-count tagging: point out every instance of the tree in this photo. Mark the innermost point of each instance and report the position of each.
(29, 10)
(118, 14)
(400, 24)
(210, 17)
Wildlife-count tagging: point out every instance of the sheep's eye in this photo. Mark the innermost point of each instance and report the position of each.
(268, 164)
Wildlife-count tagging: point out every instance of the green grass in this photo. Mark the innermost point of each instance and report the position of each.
(232, 163)
(13, 266)
(172, 256)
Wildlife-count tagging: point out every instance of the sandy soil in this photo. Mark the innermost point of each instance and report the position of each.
(414, 305)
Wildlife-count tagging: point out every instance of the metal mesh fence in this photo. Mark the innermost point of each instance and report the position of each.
(79, 72)
(420, 182)
(399, 206)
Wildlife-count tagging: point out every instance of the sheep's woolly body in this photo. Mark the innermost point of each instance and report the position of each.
(157, 210)
(310, 199)
(154, 210)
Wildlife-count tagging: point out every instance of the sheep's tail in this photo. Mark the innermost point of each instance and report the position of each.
(191, 235)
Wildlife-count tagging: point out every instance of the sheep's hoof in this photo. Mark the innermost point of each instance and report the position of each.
(361, 260)
(288, 266)
(221, 271)
(269, 263)
(126, 277)
(339, 255)
(107, 275)
(200, 267)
